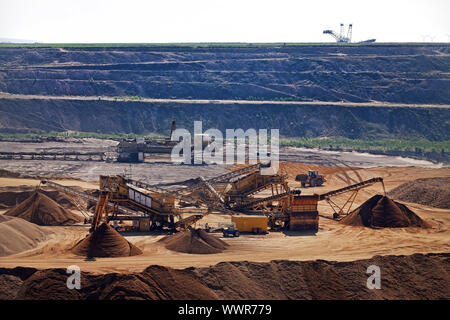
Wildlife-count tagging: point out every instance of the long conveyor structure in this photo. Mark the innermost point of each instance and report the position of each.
(83, 195)
(352, 187)
(340, 210)
(125, 213)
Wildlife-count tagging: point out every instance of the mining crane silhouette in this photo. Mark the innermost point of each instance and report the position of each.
(341, 37)
(344, 38)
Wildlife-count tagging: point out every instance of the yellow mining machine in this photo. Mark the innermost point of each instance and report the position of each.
(150, 206)
(120, 200)
(293, 211)
(288, 210)
(236, 192)
(104, 208)
(311, 179)
(242, 189)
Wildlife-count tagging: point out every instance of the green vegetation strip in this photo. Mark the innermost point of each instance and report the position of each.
(373, 145)
(36, 135)
(320, 143)
(213, 44)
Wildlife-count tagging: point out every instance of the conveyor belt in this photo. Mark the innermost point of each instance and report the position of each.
(89, 197)
(262, 200)
(156, 189)
(227, 176)
(351, 187)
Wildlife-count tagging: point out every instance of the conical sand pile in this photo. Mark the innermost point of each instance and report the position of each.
(17, 235)
(105, 242)
(380, 211)
(41, 210)
(195, 241)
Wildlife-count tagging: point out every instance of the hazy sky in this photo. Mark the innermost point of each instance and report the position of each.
(222, 21)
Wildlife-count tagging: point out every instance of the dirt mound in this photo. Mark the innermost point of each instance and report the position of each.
(10, 174)
(195, 241)
(105, 242)
(41, 210)
(13, 196)
(416, 276)
(17, 235)
(380, 211)
(10, 286)
(433, 192)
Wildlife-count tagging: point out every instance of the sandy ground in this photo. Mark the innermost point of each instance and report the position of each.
(160, 169)
(334, 241)
(354, 159)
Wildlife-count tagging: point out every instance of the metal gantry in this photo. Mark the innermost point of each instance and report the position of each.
(341, 37)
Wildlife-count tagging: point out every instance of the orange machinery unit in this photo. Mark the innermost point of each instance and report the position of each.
(303, 213)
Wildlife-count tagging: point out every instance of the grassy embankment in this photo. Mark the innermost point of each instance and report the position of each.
(417, 146)
(214, 44)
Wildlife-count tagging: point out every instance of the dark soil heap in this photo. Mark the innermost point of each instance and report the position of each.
(434, 192)
(105, 242)
(415, 277)
(9, 174)
(195, 241)
(382, 212)
(41, 210)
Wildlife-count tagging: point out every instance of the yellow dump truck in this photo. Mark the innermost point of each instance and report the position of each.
(255, 224)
